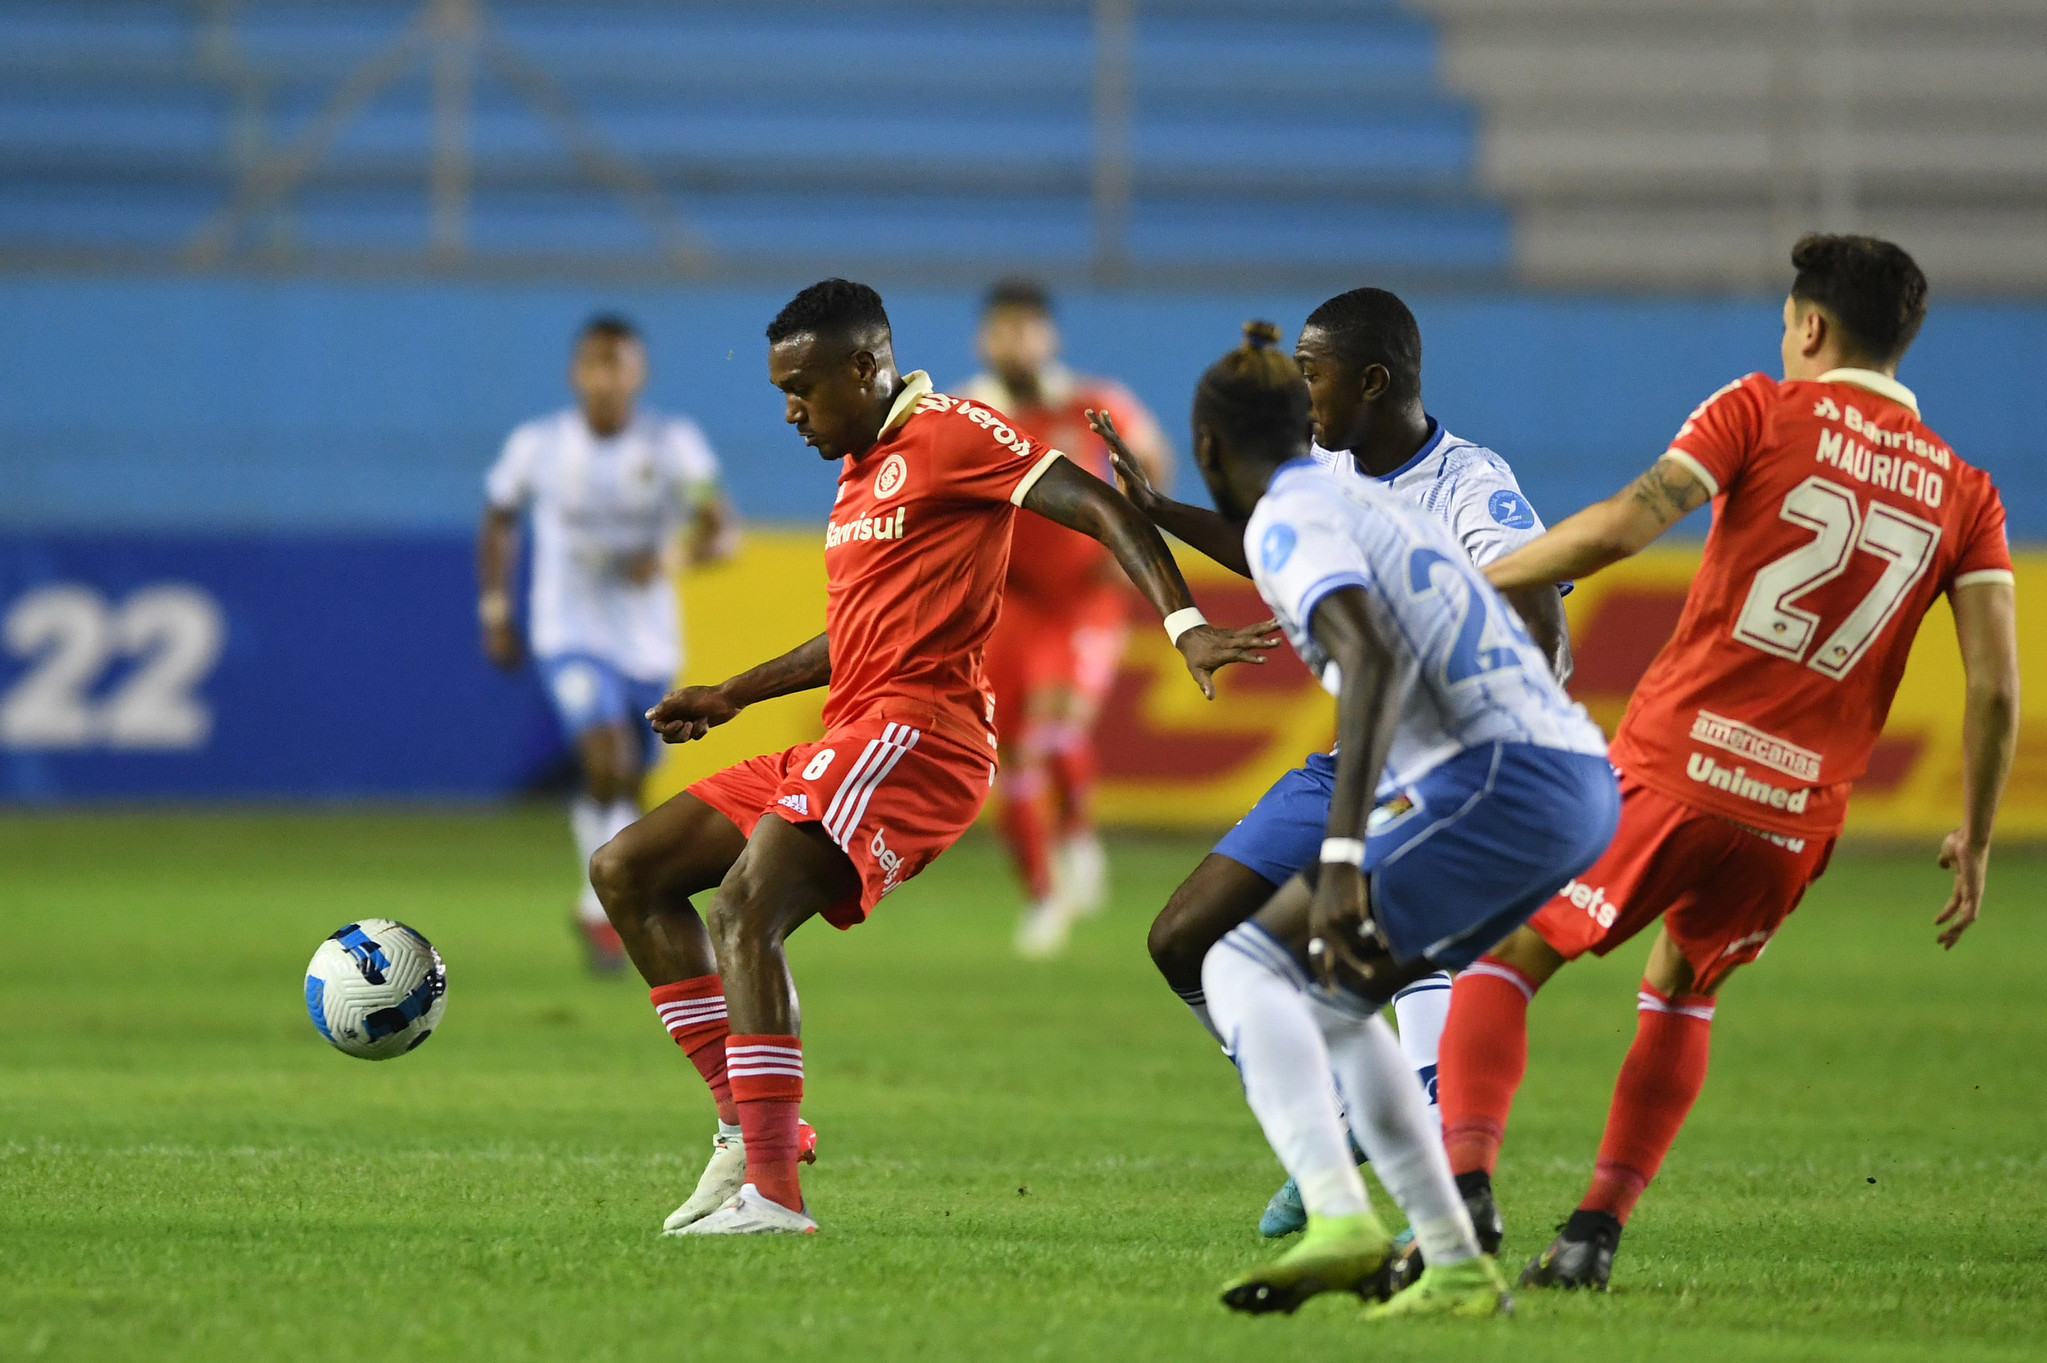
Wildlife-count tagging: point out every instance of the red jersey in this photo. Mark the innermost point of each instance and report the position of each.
(1048, 562)
(915, 553)
(1838, 517)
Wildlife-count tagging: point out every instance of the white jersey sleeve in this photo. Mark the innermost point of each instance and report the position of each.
(1301, 549)
(509, 486)
(1486, 510)
(688, 461)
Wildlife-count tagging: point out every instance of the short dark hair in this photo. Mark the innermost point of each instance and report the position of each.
(1372, 326)
(1018, 292)
(1254, 397)
(615, 326)
(1871, 289)
(830, 307)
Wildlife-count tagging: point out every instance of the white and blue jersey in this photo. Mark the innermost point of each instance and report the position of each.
(1471, 673)
(1467, 487)
(1495, 790)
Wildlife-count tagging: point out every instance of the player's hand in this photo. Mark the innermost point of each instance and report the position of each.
(1971, 865)
(1343, 946)
(691, 712)
(501, 645)
(1130, 474)
(1207, 649)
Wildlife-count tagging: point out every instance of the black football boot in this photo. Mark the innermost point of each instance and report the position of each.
(1477, 1190)
(1581, 1256)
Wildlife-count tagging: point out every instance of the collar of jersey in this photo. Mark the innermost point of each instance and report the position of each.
(916, 384)
(1428, 448)
(1883, 385)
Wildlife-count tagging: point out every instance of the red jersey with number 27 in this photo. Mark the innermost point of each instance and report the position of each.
(1838, 517)
(915, 554)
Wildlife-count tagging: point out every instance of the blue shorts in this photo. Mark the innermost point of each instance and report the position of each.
(1488, 837)
(1491, 835)
(588, 692)
(1284, 830)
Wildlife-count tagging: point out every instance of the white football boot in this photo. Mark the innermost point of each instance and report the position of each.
(722, 1177)
(1041, 933)
(1080, 868)
(746, 1212)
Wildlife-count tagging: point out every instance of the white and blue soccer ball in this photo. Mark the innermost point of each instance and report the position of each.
(376, 989)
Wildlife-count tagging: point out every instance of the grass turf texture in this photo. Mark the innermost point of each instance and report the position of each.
(1018, 1161)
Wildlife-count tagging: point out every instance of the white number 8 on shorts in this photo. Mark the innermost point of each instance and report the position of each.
(819, 764)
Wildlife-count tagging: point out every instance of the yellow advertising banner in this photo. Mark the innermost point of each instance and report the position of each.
(1171, 759)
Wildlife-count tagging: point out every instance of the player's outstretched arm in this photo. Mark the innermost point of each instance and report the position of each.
(1076, 499)
(693, 711)
(1986, 624)
(1204, 529)
(1605, 532)
(1367, 707)
(1541, 608)
(497, 545)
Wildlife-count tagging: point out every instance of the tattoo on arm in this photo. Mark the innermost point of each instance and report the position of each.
(1668, 492)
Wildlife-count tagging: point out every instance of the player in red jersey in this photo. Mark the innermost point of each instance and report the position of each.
(1064, 607)
(1838, 517)
(914, 558)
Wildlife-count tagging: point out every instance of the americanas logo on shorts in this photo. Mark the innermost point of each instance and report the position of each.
(889, 481)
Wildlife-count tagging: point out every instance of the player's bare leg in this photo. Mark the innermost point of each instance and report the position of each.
(787, 875)
(609, 756)
(1220, 893)
(1659, 1081)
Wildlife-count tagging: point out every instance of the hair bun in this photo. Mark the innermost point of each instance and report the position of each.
(1261, 335)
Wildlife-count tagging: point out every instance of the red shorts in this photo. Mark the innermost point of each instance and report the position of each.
(1072, 645)
(1722, 890)
(890, 795)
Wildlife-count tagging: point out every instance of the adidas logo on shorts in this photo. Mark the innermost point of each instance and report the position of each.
(798, 802)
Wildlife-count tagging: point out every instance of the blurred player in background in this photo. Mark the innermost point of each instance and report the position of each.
(1838, 517)
(1057, 646)
(609, 490)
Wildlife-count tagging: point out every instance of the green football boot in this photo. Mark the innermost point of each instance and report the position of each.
(1471, 1288)
(1335, 1254)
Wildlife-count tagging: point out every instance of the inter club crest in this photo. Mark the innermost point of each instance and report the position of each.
(894, 473)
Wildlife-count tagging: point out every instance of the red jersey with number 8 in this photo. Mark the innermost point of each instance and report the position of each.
(1838, 517)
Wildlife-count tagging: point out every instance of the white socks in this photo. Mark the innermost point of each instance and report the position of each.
(1396, 1127)
(595, 825)
(1421, 1009)
(1286, 1043)
(1255, 1001)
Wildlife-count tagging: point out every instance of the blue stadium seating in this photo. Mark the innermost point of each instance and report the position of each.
(1291, 135)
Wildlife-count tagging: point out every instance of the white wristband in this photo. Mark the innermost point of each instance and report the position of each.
(1349, 851)
(1179, 622)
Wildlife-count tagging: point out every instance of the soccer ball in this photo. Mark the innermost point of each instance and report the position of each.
(376, 989)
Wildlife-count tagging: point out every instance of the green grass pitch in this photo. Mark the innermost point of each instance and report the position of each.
(1043, 1162)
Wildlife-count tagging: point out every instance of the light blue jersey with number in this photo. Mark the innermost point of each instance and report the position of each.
(1466, 670)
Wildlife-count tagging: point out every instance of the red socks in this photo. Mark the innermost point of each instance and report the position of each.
(1659, 1081)
(767, 1085)
(693, 1011)
(1021, 817)
(1480, 1061)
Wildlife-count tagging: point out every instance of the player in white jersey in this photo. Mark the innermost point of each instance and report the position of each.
(610, 491)
(1467, 788)
(1361, 355)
